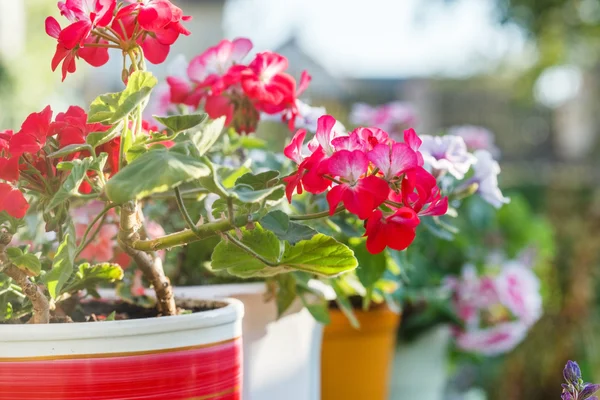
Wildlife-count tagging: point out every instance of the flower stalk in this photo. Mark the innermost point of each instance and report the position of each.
(39, 302)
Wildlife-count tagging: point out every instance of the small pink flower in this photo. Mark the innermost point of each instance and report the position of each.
(497, 310)
(518, 288)
(476, 138)
(391, 117)
(494, 340)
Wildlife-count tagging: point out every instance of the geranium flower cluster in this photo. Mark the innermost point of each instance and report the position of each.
(24, 155)
(376, 178)
(392, 117)
(97, 25)
(497, 310)
(225, 86)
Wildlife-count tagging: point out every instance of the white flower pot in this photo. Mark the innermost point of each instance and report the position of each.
(179, 357)
(281, 357)
(420, 367)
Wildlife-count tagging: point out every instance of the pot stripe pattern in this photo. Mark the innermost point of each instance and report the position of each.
(205, 372)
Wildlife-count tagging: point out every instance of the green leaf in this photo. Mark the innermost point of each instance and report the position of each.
(113, 107)
(250, 142)
(187, 148)
(321, 255)
(89, 276)
(103, 107)
(211, 182)
(437, 229)
(263, 180)
(229, 176)
(99, 163)
(71, 185)
(279, 223)
(96, 139)
(70, 149)
(62, 266)
(286, 293)
(25, 261)
(319, 310)
(371, 267)
(247, 194)
(153, 172)
(180, 123)
(239, 263)
(111, 316)
(205, 137)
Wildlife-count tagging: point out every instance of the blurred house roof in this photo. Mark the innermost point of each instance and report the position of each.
(323, 83)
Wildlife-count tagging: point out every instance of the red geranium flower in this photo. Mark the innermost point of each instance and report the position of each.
(33, 133)
(12, 201)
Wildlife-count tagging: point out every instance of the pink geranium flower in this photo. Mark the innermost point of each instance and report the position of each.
(363, 170)
(497, 310)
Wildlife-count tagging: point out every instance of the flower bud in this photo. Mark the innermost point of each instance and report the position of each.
(125, 75)
(572, 373)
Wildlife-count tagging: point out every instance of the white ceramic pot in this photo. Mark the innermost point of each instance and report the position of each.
(180, 357)
(282, 358)
(421, 366)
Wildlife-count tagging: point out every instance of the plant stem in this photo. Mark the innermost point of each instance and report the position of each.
(393, 204)
(84, 241)
(322, 214)
(133, 62)
(188, 236)
(248, 250)
(184, 212)
(100, 45)
(146, 259)
(122, 159)
(188, 193)
(107, 37)
(39, 302)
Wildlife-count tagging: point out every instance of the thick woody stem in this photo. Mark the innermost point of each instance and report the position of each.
(148, 262)
(41, 308)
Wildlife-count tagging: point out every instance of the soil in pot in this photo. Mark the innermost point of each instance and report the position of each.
(118, 310)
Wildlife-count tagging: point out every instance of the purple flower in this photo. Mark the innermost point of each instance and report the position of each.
(588, 390)
(572, 372)
(447, 153)
(486, 176)
(575, 389)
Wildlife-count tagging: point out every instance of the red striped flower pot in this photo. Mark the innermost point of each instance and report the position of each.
(193, 356)
(282, 356)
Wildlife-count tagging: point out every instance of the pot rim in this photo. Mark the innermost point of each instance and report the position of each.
(233, 311)
(235, 289)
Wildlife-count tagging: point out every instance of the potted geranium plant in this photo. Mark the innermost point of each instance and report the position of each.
(51, 166)
(459, 173)
(109, 154)
(278, 329)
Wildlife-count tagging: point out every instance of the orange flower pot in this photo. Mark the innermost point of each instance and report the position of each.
(356, 364)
